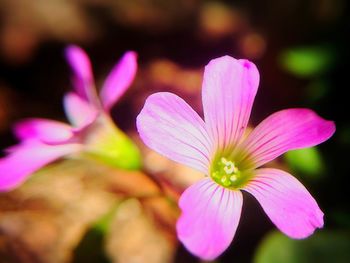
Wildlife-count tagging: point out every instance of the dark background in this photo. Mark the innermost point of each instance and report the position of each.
(281, 37)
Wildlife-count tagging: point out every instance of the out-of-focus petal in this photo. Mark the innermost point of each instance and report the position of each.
(286, 130)
(119, 79)
(48, 131)
(82, 78)
(209, 219)
(27, 158)
(228, 92)
(78, 111)
(286, 201)
(168, 125)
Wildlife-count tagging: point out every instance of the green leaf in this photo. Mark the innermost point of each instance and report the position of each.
(103, 223)
(90, 248)
(307, 61)
(317, 90)
(344, 134)
(306, 161)
(276, 248)
(322, 247)
(341, 218)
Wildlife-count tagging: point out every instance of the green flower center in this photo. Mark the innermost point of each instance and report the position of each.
(226, 173)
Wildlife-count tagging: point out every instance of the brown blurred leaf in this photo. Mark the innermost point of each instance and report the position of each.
(168, 172)
(217, 20)
(134, 237)
(152, 15)
(164, 213)
(164, 72)
(45, 219)
(26, 23)
(49, 214)
(133, 183)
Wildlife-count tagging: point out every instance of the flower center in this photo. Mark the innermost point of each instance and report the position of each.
(226, 173)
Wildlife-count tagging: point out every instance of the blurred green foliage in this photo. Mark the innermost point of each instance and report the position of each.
(317, 90)
(103, 223)
(91, 246)
(307, 162)
(344, 135)
(322, 247)
(341, 218)
(307, 61)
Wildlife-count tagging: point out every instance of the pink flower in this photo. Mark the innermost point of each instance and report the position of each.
(43, 141)
(230, 160)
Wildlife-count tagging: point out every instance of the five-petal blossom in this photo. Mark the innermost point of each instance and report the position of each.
(43, 140)
(230, 159)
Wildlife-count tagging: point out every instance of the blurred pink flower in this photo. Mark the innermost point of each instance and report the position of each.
(43, 140)
(218, 148)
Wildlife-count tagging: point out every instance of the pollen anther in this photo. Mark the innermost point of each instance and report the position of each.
(230, 167)
(233, 178)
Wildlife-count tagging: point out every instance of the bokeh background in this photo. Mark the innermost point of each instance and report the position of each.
(81, 211)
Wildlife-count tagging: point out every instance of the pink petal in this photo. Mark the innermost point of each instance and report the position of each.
(209, 219)
(48, 131)
(119, 79)
(82, 78)
(168, 125)
(287, 202)
(286, 130)
(79, 112)
(27, 158)
(229, 88)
